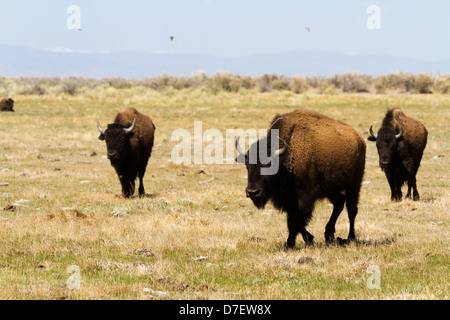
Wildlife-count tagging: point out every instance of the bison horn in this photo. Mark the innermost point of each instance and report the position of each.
(373, 134)
(279, 152)
(398, 136)
(130, 129)
(99, 127)
(239, 148)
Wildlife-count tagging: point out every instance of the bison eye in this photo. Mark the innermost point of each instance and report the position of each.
(122, 139)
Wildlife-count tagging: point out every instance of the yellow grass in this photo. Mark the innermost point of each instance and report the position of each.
(204, 239)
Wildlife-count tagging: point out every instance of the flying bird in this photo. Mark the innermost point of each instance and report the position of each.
(308, 29)
(171, 38)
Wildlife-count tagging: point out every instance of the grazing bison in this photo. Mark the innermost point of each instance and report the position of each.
(129, 143)
(400, 143)
(7, 105)
(319, 158)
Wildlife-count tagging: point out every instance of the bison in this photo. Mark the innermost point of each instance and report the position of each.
(400, 141)
(318, 157)
(129, 143)
(7, 105)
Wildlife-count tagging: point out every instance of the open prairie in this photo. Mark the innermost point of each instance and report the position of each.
(65, 232)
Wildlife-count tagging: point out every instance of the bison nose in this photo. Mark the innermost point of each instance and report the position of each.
(384, 164)
(253, 193)
(112, 154)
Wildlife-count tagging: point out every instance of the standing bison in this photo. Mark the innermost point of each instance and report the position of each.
(7, 105)
(129, 143)
(319, 158)
(400, 143)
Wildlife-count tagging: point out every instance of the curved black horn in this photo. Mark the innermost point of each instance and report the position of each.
(239, 148)
(99, 127)
(130, 129)
(373, 134)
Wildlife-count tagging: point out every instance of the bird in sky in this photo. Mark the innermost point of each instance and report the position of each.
(171, 38)
(308, 29)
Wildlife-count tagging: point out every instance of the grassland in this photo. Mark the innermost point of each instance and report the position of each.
(196, 236)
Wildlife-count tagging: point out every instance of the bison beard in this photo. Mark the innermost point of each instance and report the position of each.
(129, 142)
(324, 158)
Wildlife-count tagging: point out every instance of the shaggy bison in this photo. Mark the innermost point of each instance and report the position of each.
(319, 158)
(129, 143)
(7, 105)
(400, 143)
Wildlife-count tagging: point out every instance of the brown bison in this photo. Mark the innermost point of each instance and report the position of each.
(401, 141)
(319, 158)
(7, 105)
(129, 143)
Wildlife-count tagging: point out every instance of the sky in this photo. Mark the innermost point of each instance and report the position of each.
(412, 29)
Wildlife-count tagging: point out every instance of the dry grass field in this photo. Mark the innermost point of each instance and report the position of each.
(196, 235)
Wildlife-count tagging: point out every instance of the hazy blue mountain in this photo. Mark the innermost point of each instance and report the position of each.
(24, 61)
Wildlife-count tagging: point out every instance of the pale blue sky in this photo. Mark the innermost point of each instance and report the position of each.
(416, 29)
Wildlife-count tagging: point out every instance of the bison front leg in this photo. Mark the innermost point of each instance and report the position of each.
(296, 225)
(128, 187)
(412, 184)
(395, 185)
(297, 221)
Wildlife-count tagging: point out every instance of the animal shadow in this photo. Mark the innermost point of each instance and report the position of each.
(342, 243)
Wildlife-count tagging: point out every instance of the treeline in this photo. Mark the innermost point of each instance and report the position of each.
(341, 83)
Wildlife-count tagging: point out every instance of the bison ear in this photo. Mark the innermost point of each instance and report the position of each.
(101, 137)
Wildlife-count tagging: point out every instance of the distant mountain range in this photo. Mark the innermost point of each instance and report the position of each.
(23, 61)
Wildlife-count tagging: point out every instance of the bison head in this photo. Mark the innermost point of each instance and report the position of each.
(387, 144)
(117, 138)
(262, 167)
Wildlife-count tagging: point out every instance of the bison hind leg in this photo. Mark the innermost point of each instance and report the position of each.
(141, 187)
(338, 205)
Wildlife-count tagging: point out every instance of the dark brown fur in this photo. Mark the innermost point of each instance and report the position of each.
(129, 154)
(325, 159)
(7, 105)
(400, 157)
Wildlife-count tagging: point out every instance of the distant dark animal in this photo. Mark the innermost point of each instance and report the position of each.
(7, 105)
(319, 158)
(129, 143)
(401, 141)
(171, 38)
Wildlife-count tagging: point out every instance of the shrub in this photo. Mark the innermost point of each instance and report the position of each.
(442, 84)
(264, 84)
(352, 82)
(298, 85)
(423, 83)
(280, 82)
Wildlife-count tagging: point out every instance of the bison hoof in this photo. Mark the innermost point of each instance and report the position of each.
(342, 242)
(329, 239)
(289, 246)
